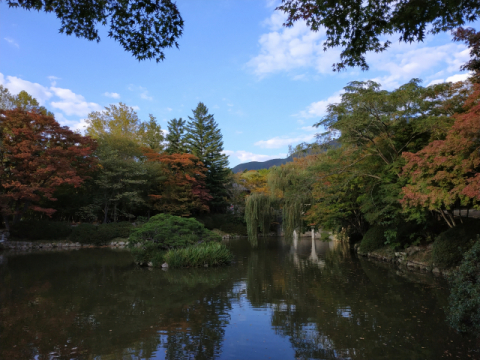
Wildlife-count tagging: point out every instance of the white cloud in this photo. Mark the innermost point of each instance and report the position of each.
(135, 107)
(403, 62)
(278, 142)
(53, 80)
(436, 81)
(319, 108)
(453, 78)
(112, 95)
(310, 128)
(288, 50)
(169, 109)
(12, 42)
(458, 77)
(71, 103)
(285, 49)
(142, 92)
(15, 85)
(245, 156)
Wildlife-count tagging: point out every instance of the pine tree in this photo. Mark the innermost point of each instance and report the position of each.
(176, 137)
(204, 140)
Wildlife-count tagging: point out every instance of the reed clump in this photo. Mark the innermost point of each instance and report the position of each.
(206, 254)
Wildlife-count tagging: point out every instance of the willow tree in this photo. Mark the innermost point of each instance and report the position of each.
(259, 213)
(292, 184)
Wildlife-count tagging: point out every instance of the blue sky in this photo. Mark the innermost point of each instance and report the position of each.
(266, 85)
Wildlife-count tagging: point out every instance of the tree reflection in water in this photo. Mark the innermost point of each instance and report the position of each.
(320, 300)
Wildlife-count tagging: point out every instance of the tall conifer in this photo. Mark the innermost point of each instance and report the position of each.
(176, 137)
(204, 140)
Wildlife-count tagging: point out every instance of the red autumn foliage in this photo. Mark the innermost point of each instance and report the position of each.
(38, 155)
(447, 171)
(183, 190)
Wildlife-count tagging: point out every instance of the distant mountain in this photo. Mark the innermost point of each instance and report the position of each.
(258, 165)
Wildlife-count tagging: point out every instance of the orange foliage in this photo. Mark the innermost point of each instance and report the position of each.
(38, 155)
(183, 190)
(447, 171)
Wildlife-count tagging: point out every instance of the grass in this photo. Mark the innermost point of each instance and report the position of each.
(210, 254)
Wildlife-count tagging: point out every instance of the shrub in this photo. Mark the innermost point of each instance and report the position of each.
(85, 234)
(450, 245)
(464, 301)
(169, 232)
(211, 254)
(100, 234)
(164, 232)
(228, 223)
(41, 230)
(373, 239)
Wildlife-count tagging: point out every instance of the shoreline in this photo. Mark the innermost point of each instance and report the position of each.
(414, 258)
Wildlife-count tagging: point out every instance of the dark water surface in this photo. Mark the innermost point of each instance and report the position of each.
(277, 301)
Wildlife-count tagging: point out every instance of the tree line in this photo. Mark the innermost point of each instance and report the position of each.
(122, 168)
(400, 161)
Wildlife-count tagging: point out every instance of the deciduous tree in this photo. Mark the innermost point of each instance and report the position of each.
(447, 172)
(183, 192)
(37, 155)
(359, 27)
(143, 28)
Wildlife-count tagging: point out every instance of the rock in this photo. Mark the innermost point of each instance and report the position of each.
(436, 271)
(150, 264)
(164, 265)
(412, 250)
(205, 265)
(121, 243)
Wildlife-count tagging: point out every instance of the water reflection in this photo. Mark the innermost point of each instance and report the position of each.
(302, 299)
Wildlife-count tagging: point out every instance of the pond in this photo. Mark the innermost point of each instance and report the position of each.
(279, 300)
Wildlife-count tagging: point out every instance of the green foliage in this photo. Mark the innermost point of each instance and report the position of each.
(373, 239)
(362, 27)
(41, 230)
(464, 301)
(211, 254)
(259, 213)
(100, 234)
(450, 245)
(163, 232)
(176, 137)
(85, 234)
(204, 140)
(143, 28)
(228, 223)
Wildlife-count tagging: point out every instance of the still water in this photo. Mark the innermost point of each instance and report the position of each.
(279, 300)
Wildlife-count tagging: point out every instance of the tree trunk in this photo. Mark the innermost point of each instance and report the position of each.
(445, 218)
(7, 223)
(19, 213)
(106, 213)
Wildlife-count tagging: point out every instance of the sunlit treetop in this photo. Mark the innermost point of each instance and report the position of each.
(358, 27)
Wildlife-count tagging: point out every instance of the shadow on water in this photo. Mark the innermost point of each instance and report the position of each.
(282, 299)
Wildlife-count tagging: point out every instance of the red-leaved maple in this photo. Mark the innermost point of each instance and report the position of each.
(37, 155)
(447, 172)
(183, 190)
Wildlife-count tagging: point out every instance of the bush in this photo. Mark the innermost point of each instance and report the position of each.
(373, 239)
(41, 230)
(449, 246)
(464, 301)
(211, 254)
(100, 234)
(228, 223)
(169, 232)
(164, 232)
